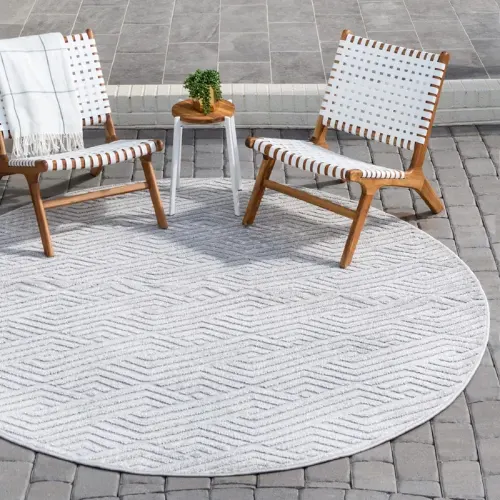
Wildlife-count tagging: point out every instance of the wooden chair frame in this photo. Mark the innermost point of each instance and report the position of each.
(414, 179)
(32, 175)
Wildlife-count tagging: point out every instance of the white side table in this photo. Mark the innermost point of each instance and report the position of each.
(186, 116)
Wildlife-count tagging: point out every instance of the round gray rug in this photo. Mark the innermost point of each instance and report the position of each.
(214, 349)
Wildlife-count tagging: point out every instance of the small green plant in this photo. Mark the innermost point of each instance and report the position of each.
(199, 84)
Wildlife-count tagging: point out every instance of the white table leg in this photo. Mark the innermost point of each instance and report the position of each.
(236, 153)
(180, 158)
(176, 163)
(180, 154)
(232, 164)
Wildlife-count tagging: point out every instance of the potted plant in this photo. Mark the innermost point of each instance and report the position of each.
(204, 88)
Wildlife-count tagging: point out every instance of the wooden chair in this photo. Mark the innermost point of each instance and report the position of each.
(95, 110)
(378, 91)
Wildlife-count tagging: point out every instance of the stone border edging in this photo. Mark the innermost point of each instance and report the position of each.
(259, 105)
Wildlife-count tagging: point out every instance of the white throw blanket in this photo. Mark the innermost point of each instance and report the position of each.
(39, 95)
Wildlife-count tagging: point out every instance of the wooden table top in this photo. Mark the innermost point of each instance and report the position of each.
(188, 114)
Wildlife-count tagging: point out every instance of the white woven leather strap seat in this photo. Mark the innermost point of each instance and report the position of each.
(308, 156)
(382, 92)
(97, 156)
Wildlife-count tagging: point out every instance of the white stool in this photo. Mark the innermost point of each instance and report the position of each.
(188, 117)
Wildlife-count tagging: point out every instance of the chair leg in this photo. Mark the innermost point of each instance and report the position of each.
(430, 197)
(258, 190)
(356, 226)
(149, 173)
(94, 172)
(41, 218)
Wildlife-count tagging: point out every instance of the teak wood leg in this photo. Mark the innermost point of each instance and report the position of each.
(154, 191)
(41, 217)
(94, 172)
(356, 226)
(430, 197)
(258, 190)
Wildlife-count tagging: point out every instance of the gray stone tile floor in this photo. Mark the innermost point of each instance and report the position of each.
(265, 41)
(456, 455)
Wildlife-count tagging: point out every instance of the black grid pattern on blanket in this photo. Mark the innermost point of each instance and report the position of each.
(39, 96)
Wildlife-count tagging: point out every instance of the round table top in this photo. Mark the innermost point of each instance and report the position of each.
(188, 114)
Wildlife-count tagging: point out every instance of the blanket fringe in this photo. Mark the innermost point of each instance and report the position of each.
(46, 144)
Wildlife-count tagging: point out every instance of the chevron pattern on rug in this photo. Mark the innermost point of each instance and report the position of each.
(217, 349)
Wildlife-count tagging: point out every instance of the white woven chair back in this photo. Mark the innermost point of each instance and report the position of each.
(89, 81)
(382, 92)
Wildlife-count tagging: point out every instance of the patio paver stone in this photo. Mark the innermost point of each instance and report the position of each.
(285, 41)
